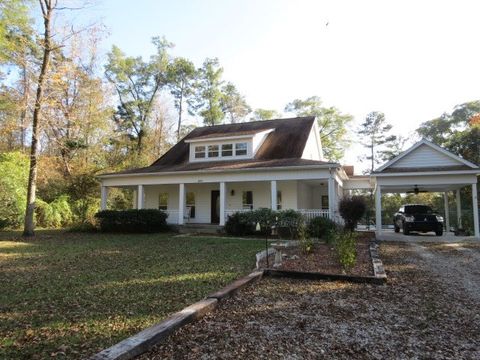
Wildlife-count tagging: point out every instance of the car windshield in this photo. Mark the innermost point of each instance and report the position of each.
(418, 209)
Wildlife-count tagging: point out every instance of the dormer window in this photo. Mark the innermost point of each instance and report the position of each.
(227, 146)
(212, 151)
(199, 152)
(227, 150)
(240, 149)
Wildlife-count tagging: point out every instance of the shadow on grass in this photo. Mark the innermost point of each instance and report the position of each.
(77, 293)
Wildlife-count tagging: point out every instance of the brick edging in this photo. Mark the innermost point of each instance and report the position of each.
(147, 338)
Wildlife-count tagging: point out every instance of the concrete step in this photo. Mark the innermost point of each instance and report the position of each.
(199, 229)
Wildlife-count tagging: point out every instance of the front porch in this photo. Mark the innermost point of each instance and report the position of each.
(213, 202)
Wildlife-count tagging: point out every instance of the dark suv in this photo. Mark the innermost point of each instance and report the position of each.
(415, 217)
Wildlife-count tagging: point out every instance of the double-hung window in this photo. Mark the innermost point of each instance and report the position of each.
(163, 201)
(240, 149)
(199, 152)
(212, 151)
(227, 150)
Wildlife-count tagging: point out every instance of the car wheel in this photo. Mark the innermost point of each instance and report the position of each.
(439, 232)
(396, 228)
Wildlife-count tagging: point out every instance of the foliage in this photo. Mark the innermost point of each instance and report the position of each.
(375, 131)
(234, 105)
(321, 227)
(13, 192)
(352, 210)
(264, 114)
(14, 25)
(132, 221)
(345, 248)
(331, 122)
(307, 245)
(240, 224)
(137, 83)
(209, 94)
(266, 218)
(85, 292)
(290, 225)
(56, 214)
(181, 74)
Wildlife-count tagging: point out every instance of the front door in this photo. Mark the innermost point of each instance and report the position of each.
(215, 207)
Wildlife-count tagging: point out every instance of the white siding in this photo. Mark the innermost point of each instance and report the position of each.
(312, 149)
(425, 156)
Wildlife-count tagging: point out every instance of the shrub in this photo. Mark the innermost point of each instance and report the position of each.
(13, 188)
(266, 218)
(290, 224)
(321, 228)
(239, 224)
(132, 221)
(345, 248)
(55, 214)
(306, 245)
(352, 209)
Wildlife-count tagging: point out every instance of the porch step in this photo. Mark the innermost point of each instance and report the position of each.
(199, 229)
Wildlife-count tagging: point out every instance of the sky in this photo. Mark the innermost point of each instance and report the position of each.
(412, 60)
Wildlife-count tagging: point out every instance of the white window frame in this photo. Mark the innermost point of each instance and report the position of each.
(246, 148)
(204, 152)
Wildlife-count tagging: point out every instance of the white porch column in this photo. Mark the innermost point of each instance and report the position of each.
(378, 210)
(331, 197)
(476, 225)
(447, 214)
(459, 209)
(140, 197)
(222, 203)
(273, 194)
(104, 196)
(181, 203)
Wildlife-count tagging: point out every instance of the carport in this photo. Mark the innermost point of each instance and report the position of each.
(426, 167)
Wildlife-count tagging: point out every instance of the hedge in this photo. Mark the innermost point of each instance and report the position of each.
(132, 221)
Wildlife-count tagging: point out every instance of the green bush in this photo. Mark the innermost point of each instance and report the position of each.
(352, 210)
(266, 218)
(55, 214)
(240, 224)
(290, 225)
(345, 248)
(132, 221)
(321, 228)
(13, 188)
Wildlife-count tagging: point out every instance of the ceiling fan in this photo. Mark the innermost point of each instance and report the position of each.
(416, 190)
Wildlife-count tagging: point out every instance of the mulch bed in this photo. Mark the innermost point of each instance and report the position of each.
(324, 260)
(414, 316)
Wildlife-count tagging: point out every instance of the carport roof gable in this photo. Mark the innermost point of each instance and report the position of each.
(387, 167)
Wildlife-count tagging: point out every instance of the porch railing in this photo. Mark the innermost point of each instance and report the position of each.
(307, 213)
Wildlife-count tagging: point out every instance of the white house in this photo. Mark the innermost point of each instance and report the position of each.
(218, 170)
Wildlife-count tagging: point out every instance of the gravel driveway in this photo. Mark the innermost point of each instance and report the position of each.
(428, 309)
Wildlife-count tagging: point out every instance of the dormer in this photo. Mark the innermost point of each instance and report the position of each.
(226, 146)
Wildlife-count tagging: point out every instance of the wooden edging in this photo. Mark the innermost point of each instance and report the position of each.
(322, 276)
(146, 339)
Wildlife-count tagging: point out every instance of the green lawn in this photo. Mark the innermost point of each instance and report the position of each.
(71, 295)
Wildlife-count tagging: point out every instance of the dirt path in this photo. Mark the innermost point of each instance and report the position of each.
(423, 312)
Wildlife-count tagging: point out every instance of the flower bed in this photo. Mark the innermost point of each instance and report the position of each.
(323, 259)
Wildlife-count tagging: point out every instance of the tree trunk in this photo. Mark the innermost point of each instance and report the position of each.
(23, 113)
(29, 227)
(180, 108)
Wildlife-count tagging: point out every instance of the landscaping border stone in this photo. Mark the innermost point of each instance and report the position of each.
(145, 339)
(378, 269)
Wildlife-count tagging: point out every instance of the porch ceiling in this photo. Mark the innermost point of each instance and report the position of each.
(422, 187)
